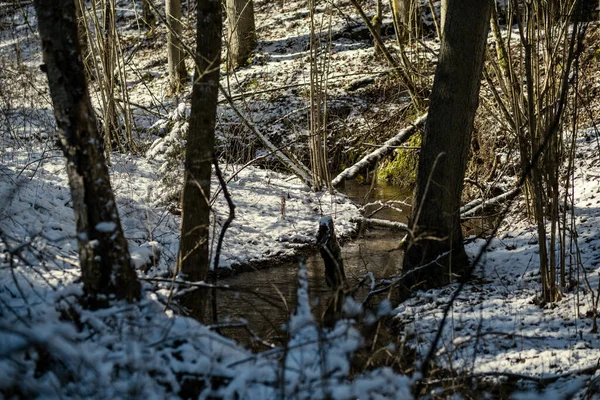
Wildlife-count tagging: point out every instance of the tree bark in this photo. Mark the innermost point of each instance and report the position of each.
(194, 258)
(148, 15)
(106, 267)
(377, 25)
(435, 220)
(111, 122)
(176, 59)
(443, 12)
(372, 158)
(242, 34)
(407, 15)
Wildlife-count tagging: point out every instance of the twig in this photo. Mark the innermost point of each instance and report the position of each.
(228, 221)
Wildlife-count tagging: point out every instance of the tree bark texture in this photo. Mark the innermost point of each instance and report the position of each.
(435, 219)
(176, 59)
(106, 267)
(241, 34)
(194, 250)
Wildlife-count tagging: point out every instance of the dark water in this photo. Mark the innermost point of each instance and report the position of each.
(265, 298)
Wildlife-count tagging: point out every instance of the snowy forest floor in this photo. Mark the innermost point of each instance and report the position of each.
(497, 341)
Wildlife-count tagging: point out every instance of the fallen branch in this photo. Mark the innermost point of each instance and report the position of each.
(383, 223)
(541, 380)
(295, 166)
(479, 205)
(372, 158)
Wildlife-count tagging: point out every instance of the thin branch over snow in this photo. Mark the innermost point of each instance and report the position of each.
(387, 147)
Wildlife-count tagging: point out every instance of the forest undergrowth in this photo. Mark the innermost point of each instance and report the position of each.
(498, 338)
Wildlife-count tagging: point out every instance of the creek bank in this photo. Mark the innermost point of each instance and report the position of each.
(264, 299)
(367, 198)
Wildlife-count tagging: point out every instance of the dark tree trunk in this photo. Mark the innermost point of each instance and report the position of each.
(435, 219)
(241, 32)
(193, 252)
(106, 267)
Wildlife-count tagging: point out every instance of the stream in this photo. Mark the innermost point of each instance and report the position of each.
(265, 298)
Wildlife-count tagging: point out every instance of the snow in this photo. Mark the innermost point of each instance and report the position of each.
(106, 227)
(495, 327)
(51, 347)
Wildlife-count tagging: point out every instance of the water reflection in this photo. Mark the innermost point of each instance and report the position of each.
(364, 194)
(266, 297)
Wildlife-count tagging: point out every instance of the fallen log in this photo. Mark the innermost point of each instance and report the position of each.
(383, 223)
(480, 205)
(386, 148)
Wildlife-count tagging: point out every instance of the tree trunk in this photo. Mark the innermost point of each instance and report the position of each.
(242, 35)
(193, 251)
(148, 15)
(443, 12)
(106, 267)
(177, 72)
(111, 124)
(377, 25)
(407, 15)
(435, 220)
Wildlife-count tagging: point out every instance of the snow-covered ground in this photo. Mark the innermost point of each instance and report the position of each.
(497, 328)
(52, 348)
(275, 213)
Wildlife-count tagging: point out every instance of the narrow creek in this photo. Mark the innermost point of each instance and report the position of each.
(265, 298)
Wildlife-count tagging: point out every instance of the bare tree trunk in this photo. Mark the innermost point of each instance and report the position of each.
(106, 267)
(407, 15)
(435, 220)
(148, 15)
(377, 25)
(330, 250)
(443, 12)
(194, 251)
(111, 125)
(177, 72)
(318, 106)
(242, 34)
(399, 18)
